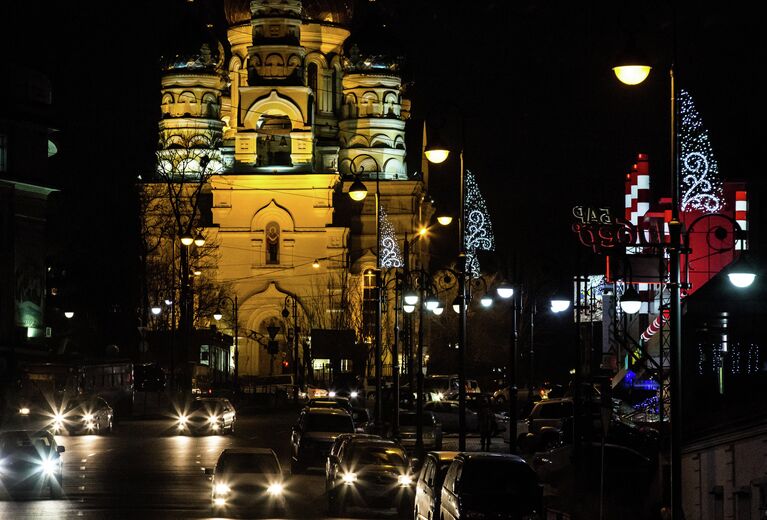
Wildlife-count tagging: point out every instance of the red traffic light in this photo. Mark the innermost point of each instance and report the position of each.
(285, 364)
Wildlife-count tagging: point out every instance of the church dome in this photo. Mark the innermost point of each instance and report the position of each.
(328, 11)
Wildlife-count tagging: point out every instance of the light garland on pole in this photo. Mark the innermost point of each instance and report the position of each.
(478, 226)
(390, 256)
(701, 185)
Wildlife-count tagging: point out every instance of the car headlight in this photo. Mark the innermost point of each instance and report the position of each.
(88, 417)
(354, 394)
(24, 410)
(182, 419)
(404, 480)
(213, 419)
(219, 501)
(275, 489)
(48, 466)
(221, 489)
(439, 396)
(331, 394)
(349, 478)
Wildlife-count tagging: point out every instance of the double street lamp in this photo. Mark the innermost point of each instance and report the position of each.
(285, 314)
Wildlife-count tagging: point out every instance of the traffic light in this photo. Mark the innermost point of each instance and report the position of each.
(285, 364)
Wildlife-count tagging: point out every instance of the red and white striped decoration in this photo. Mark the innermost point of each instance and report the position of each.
(655, 326)
(741, 217)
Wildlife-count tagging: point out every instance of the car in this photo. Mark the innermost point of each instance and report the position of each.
(91, 415)
(247, 479)
(431, 430)
(428, 486)
(489, 485)
(207, 415)
(372, 473)
(30, 463)
(314, 434)
(446, 413)
(341, 403)
(331, 464)
(362, 420)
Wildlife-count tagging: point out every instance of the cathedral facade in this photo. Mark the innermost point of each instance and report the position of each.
(259, 141)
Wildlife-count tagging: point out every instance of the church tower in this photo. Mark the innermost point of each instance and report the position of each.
(286, 121)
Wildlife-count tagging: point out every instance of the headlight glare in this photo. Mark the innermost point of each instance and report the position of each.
(24, 410)
(88, 417)
(182, 419)
(212, 419)
(275, 489)
(48, 466)
(349, 478)
(221, 489)
(404, 480)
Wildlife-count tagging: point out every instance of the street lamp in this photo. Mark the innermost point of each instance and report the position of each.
(156, 310)
(187, 239)
(436, 153)
(631, 302)
(217, 316)
(358, 192)
(69, 314)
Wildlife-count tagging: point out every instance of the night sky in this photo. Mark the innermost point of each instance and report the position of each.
(545, 123)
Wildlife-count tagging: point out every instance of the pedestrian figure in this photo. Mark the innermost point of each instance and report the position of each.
(486, 420)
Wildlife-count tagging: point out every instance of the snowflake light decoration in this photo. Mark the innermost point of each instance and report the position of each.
(390, 254)
(701, 186)
(478, 228)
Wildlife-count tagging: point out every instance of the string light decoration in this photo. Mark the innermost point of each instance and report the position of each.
(390, 254)
(478, 228)
(701, 185)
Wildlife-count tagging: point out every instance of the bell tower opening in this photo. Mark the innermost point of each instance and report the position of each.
(273, 144)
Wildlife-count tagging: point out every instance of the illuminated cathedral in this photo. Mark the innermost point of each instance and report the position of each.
(263, 134)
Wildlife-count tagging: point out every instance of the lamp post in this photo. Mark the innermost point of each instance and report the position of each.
(285, 313)
(217, 316)
(358, 192)
(436, 153)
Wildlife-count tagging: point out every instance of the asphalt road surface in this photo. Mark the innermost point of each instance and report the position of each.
(143, 470)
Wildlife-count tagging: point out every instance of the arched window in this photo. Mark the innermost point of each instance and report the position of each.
(272, 232)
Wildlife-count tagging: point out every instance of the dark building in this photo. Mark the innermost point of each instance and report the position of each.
(724, 407)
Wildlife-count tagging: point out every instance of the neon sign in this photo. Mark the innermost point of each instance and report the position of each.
(598, 229)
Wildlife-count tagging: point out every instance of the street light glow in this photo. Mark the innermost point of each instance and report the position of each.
(358, 191)
(631, 302)
(436, 155)
(156, 310)
(486, 301)
(316, 264)
(431, 303)
(560, 305)
(445, 220)
(505, 290)
(632, 74)
(199, 240)
(217, 315)
(187, 239)
(69, 314)
(741, 280)
(411, 298)
(408, 308)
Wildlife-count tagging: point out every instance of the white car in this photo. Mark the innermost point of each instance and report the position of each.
(247, 479)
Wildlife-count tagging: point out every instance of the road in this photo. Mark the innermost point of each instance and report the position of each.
(143, 470)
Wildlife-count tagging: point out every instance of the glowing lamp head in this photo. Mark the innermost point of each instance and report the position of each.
(559, 305)
(411, 297)
(217, 315)
(408, 308)
(505, 290)
(316, 264)
(631, 302)
(741, 280)
(436, 154)
(69, 315)
(486, 301)
(431, 303)
(741, 273)
(358, 191)
(632, 74)
(444, 220)
(156, 309)
(187, 239)
(199, 240)
(438, 310)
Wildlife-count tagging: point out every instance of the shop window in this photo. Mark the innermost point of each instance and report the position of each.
(204, 354)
